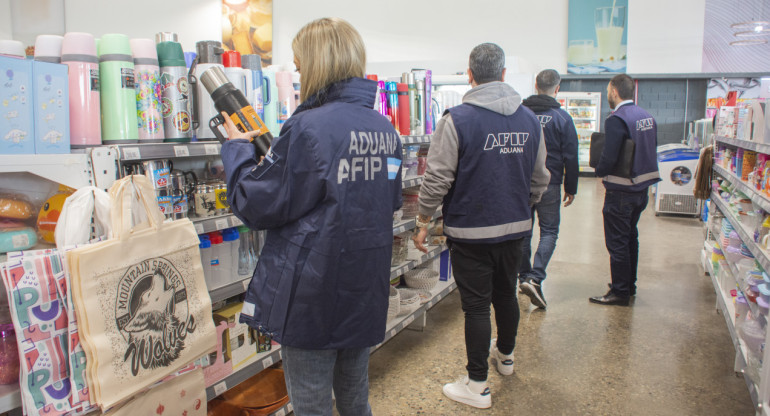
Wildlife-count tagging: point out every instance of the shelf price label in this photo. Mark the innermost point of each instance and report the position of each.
(198, 227)
(220, 388)
(131, 153)
(268, 361)
(211, 149)
(246, 284)
(409, 320)
(181, 151)
(221, 224)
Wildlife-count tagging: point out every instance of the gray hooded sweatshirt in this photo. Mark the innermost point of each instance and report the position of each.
(443, 154)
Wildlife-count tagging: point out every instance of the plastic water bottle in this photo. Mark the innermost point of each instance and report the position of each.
(245, 252)
(230, 257)
(205, 247)
(217, 254)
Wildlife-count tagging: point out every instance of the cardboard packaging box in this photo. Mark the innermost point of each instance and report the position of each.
(51, 107)
(17, 128)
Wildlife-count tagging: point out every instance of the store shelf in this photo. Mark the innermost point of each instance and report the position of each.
(230, 290)
(10, 398)
(758, 198)
(398, 324)
(129, 152)
(412, 181)
(218, 223)
(587, 169)
(286, 410)
(745, 144)
(263, 360)
(728, 311)
(416, 258)
(72, 169)
(415, 139)
(761, 256)
(403, 226)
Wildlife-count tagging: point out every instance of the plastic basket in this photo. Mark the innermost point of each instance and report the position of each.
(410, 301)
(394, 303)
(421, 278)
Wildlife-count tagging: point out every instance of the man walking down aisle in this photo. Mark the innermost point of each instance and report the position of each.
(562, 144)
(625, 198)
(487, 164)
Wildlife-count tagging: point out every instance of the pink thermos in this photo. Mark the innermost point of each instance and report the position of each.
(78, 52)
(286, 103)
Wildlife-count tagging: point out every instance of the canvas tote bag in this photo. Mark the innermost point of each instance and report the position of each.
(141, 301)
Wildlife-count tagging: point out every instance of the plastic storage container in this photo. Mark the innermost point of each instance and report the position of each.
(205, 247)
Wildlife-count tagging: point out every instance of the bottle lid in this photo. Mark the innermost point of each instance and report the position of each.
(48, 48)
(12, 48)
(216, 238)
(372, 77)
(170, 54)
(114, 44)
(230, 234)
(251, 61)
(243, 229)
(166, 37)
(77, 43)
(390, 86)
(144, 49)
(205, 244)
(231, 59)
(209, 52)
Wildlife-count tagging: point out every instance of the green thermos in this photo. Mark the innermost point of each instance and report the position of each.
(118, 93)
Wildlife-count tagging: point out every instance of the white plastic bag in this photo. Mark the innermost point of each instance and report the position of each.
(74, 224)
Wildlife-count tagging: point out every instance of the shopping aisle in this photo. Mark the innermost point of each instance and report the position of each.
(668, 354)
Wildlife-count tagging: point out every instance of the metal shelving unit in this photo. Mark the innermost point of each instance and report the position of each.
(218, 223)
(760, 199)
(416, 258)
(406, 140)
(261, 362)
(745, 144)
(130, 152)
(229, 290)
(760, 255)
(73, 170)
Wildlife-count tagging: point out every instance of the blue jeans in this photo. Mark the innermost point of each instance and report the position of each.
(312, 374)
(622, 211)
(548, 218)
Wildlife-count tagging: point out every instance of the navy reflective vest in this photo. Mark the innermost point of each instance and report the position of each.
(644, 132)
(489, 199)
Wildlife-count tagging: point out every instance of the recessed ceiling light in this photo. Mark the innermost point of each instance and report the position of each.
(748, 42)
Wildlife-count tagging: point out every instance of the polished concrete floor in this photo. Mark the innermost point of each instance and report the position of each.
(668, 354)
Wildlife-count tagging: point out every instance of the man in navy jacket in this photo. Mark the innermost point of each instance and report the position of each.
(625, 198)
(487, 164)
(562, 144)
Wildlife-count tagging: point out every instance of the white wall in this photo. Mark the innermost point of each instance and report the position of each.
(5, 20)
(665, 36)
(193, 20)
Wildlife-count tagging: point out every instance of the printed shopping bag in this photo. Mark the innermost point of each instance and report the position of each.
(51, 372)
(184, 395)
(141, 301)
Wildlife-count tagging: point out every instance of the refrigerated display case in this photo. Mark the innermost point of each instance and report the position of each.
(585, 109)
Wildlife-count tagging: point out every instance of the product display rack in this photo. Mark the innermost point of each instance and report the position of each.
(73, 169)
(745, 144)
(758, 198)
(149, 151)
(411, 182)
(261, 362)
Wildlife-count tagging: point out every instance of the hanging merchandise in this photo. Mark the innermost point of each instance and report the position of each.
(182, 395)
(252, 69)
(79, 54)
(404, 124)
(232, 63)
(286, 103)
(231, 101)
(144, 308)
(148, 90)
(209, 56)
(175, 92)
(118, 93)
(271, 102)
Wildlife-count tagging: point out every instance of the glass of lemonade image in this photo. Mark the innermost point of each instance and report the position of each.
(610, 22)
(580, 52)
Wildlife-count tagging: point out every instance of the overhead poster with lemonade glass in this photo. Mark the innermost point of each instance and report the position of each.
(247, 27)
(596, 36)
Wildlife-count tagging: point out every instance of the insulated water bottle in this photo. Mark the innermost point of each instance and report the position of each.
(118, 93)
(232, 63)
(12, 48)
(382, 93)
(392, 90)
(48, 48)
(230, 100)
(271, 101)
(408, 79)
(428, 104)
(419, 86)
(252, 69)
(219, 253)
(403, 109)
(175, 93)
(79, 54)
(147, 74)
(285, 96)
(209, 56)
(230, 239)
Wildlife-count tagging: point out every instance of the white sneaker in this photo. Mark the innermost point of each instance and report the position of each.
(472, 393)
(503, 362)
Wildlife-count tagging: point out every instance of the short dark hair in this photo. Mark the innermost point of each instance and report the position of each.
(624, 85)
(547, 81)
(487, 62)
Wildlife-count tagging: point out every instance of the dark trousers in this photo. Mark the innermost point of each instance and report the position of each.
(486, 273)
(621, 215)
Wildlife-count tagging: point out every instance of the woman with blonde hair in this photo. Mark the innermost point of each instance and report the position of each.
(325, 192)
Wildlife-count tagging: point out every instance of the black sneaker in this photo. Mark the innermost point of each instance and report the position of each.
(535, 293)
